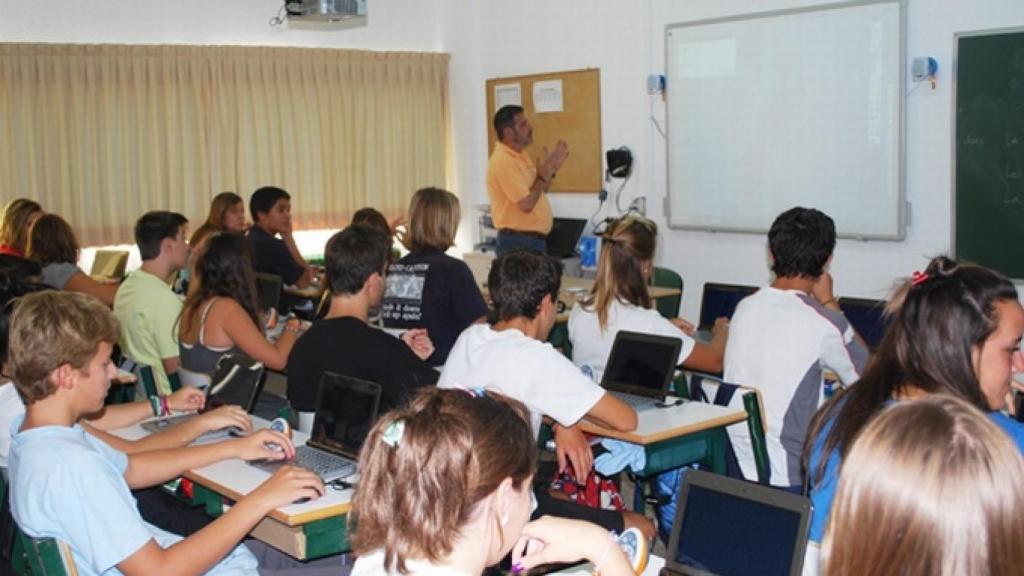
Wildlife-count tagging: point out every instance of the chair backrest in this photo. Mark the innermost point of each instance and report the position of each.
(668, 307)
(714, 391)
(46, 556)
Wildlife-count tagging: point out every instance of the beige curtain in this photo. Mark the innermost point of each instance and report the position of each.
(102, 133)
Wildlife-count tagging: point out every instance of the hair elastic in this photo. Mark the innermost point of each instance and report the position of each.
(392, 435)
(918, 278)
(476, 392)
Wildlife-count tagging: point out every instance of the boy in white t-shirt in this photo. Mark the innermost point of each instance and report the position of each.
(784, 336)
(511, 356)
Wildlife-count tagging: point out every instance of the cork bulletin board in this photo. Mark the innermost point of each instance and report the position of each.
(560, 106)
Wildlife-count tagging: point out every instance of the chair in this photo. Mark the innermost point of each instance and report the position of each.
(46, 557)
(666, 278)
(711, 390)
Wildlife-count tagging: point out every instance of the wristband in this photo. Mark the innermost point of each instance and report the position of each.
(164, 406)
(827, 302)
(154, 404)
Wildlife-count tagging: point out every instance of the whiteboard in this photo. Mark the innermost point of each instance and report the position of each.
(788, 108)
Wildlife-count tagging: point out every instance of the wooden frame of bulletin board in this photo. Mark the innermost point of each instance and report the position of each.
(578, 123)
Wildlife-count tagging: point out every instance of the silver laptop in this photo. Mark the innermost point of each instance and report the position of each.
(346, 409)
(640, 368)
(729, 527)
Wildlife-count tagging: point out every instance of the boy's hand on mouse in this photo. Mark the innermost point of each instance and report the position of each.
(263, 444)
(225, 416)
(186, 399)
(288, 484)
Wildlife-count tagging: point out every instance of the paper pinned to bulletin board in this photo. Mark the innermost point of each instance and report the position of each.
(560, 106)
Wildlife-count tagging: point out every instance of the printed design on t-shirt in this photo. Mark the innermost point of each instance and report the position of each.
(403, 300)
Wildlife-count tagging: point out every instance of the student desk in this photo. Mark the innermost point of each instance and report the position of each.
(305, 531)
(311, 292)
(678, 435)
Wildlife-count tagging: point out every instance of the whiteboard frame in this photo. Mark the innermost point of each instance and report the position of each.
(952, 123)
(901, 196)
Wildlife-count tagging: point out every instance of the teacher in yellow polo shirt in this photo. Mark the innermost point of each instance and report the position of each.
(517, 188)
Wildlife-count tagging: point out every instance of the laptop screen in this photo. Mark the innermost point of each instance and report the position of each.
(346, 410)
(729, 531)
(268, 290)
(235, 382)
(867, 319)
(641, 363)
(565, 234)
(720, 300)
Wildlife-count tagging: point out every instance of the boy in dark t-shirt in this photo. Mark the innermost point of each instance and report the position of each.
(344, 342)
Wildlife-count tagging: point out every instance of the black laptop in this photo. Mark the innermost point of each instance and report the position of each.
(640, 367)
(729, 527)
(346, 409)
(236, 381)
(719, 301)
(867, 317)
(564, 236)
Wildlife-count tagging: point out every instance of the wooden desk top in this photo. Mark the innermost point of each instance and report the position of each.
(234, 479)
(657, 424)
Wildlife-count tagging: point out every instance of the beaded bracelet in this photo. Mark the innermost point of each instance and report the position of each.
(164, 406)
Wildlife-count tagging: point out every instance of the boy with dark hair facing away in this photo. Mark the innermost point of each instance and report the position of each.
(784, 336)
(72, 486)
(145, 305)
(271, 209)
(344, 342)
(510, 356)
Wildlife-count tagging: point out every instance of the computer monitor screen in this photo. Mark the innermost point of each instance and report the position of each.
(724, 533)
(641, 363)
(346, 410)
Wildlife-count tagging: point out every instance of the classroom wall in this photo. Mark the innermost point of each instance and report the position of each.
(626, 40)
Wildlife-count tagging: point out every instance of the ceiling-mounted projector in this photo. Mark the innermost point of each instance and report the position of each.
(325, 10)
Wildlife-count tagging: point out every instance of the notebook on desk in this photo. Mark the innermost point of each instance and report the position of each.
(346, 409)
(640, 368)
(732, 527)
(719, 301)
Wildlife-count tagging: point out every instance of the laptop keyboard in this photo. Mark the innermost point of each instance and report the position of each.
(323, 463)
(636, 402)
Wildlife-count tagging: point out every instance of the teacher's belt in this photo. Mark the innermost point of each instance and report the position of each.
(540, 235)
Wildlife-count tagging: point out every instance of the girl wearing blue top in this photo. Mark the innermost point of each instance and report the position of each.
(956, 329)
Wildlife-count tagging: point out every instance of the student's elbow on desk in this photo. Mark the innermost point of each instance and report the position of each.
(613, 413)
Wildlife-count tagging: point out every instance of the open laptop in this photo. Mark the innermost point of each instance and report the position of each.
(725, 526)
(867, 317)
(109, 264)
(640, 368)
(232, 383)
(564, 236)
(268, 290)
(717, 301)
(346, 409)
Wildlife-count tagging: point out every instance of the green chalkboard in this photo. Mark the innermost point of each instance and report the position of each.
(989, 143)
